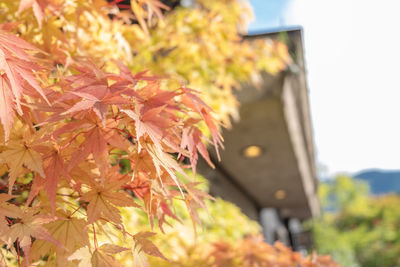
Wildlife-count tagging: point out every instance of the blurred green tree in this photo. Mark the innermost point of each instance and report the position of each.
(357, 229)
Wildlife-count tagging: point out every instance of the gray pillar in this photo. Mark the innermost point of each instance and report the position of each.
(299, 237)
(273, 228)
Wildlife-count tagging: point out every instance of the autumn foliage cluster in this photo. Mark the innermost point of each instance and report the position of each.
(68, 138)
(86, 130)
(253, 251)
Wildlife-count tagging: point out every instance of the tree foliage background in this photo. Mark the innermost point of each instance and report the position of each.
(98, 117)
(358, 229)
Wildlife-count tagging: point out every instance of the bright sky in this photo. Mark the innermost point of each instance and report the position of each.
(352, 50)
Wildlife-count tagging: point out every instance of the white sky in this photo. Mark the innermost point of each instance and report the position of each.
(352, 52)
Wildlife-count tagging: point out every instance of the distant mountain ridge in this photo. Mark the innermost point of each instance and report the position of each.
(381, 181)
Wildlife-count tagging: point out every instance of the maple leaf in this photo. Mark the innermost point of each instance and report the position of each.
(37, 6)
(18, 65)
(7, 105)
(95, 143)
(152, 125)
(54, 168)
(152, 96)
(142, 246)
(67, 230)
(17, 70)
(164, 160)
(96, 96)
(216, 135)
(192, 140)
(195, 200)
(83, 255)
(192, 100)
(103, 200)
(29, 225)
(154, 193)
(166, 211)
(9, 210)
(143, 8)
(19, 154)
(101, 256)
(139, 256)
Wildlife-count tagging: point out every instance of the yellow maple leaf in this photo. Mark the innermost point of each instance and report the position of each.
(103, 200)
(69, 232)
(139, 257)
(101, 256)
(20, 154)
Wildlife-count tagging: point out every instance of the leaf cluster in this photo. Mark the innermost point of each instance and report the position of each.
(61, 147)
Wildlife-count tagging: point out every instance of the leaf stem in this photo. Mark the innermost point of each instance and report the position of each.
(75, 211)
(19, 261)
(94, 237)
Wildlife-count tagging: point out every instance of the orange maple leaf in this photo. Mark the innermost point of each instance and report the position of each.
(142, 246)
(55, 167)
(101, 256)
(67, 230)
(97, 137)
(9, 210)
(17, 70)
(192, 141)
(190, 99)
(7, 105)
(96, 94)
